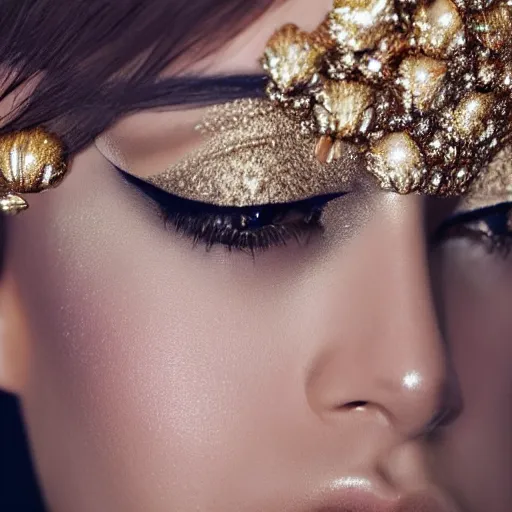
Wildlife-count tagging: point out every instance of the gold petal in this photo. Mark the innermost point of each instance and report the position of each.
(31, 161)
(358, 25)
(291, 58)
(421, 79)
(342, 107)
(323, 148)
(472, 112)
(439, 28)
(397, 162)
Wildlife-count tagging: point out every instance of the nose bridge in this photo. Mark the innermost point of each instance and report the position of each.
(383, 349)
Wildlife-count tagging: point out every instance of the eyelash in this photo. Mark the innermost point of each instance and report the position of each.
(491, 226)
(247, 229)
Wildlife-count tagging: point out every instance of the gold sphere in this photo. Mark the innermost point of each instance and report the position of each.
(31, 161)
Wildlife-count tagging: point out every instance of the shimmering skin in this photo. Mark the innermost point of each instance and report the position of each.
(435, 70)
(255, 154)
(30, 161)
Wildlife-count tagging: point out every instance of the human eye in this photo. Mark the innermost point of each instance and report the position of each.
(250, 229)
(489, 226)
(251, 183)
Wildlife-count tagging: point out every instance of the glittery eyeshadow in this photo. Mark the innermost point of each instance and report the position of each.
(255, 154)
(492, 187)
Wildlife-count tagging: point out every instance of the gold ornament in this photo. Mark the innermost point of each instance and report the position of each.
(421, 79)
(358, 25)
(471, 114)
(396, 160)
(30, 161)
(342, 107)
(291, 58)
(439, 28)
(426, 79)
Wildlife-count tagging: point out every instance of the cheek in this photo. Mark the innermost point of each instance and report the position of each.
(168, 353)
(478, 297)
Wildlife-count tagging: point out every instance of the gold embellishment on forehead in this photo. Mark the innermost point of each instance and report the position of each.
(422, 87)
(30, 161)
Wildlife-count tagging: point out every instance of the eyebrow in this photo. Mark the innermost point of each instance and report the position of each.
(190, 91)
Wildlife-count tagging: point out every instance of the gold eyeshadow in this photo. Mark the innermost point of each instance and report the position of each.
(493, 186)
(255, 154)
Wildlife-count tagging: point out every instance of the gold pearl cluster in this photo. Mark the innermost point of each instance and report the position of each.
(30, 161)
(422, 87)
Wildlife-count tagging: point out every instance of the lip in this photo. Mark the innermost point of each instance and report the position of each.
(365, 501)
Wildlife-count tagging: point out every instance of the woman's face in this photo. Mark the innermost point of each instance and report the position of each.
(155, 375)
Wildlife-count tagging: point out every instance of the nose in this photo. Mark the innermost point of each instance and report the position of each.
(379, 348)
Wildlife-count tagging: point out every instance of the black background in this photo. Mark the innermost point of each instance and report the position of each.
(18, 488)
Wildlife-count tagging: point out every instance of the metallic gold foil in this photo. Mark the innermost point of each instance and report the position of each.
(472, 112)
(255, 154)
(30, 161)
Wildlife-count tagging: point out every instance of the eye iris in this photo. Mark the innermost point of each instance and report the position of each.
(257, 219)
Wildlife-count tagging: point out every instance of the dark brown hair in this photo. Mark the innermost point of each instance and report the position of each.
(90, 61)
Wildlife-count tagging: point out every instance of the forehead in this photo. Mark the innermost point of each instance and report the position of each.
(242, 54)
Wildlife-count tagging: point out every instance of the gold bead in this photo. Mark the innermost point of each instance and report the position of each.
(11, 204)
(471, 114)
(30, 161)
(397, 162)
(439, 28)
(358, 25)
(343, 107)
(291, 58)
(421, 79)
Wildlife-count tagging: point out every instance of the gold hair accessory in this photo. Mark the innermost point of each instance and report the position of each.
(30, 161)
(422, 87)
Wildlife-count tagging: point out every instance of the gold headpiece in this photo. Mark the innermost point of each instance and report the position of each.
(30, 161)
(422, 87)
